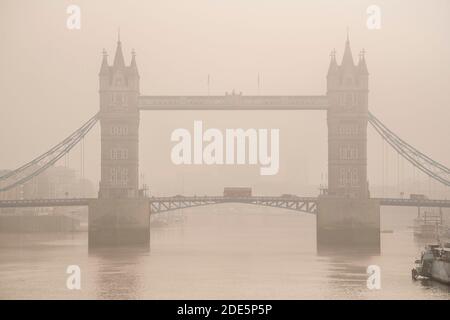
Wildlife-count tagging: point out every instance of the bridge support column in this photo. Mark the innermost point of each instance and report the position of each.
(119, 222)
(348, 223)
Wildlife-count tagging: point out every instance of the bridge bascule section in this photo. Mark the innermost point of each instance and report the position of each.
(299, 204)
(346, 214)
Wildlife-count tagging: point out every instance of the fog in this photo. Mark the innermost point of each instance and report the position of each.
(49, 79)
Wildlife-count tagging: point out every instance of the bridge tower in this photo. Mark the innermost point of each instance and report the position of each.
(346, 214)
(119, 120)
(347, 90)
(119, 216)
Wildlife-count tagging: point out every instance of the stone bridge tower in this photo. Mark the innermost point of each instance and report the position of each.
(347, 215)
(347, 90)
(119, 216)
(119, 120)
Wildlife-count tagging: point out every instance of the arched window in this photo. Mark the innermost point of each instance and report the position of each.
(119, 176)
(350, 99)
(119, 154)
(355, 179)
(119, 130)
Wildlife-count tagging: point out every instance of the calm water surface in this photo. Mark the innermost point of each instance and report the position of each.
(217, 253)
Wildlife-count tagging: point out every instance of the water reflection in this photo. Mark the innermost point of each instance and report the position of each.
(436, 288)
(118, 272)
(218, 254)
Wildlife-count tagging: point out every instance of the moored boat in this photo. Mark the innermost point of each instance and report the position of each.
(434, 263)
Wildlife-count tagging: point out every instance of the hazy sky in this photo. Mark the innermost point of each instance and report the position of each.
(49, 77)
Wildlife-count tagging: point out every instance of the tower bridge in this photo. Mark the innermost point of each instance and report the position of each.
(166, 204)
(345, 214)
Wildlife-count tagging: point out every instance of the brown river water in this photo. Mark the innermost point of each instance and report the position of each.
(242, 252)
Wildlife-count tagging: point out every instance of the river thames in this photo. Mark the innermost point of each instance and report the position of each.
(219, 252)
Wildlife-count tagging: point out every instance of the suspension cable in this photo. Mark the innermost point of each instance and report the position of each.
(432, 168)
(47, 159)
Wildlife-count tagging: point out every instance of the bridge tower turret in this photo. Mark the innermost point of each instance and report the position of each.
(119, 120)
(347, 90)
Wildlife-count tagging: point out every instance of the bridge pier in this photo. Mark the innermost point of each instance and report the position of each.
(119, 222)
(348, 223)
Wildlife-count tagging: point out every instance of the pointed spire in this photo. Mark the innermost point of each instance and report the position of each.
(133, 57)
(333, 67)
(133, 65)
(119, 61)
(104, 69)
(347, 59)
(362, 67)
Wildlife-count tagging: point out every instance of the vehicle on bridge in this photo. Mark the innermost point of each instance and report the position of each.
(416, 196)
(237, 192)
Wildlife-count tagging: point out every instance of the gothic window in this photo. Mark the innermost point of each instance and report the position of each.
(117, 130)
(348, 129)
(359, 99)
(341, 177)
(352, 153)
(342, 153)
(355, 177)
(341, 99)
(344, 177)
(119, 176)
(350, 99)
(119, 98)
(348, 177)
(113, 176)
(349, 152)
(119, 154)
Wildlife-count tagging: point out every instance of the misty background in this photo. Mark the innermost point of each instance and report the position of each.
(49, 81)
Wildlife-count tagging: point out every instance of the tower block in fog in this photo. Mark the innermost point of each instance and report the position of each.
(346, 214)
(119, 216)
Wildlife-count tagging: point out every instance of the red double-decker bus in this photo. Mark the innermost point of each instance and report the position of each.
(237, 192)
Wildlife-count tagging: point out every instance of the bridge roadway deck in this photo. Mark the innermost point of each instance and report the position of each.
(64, 202)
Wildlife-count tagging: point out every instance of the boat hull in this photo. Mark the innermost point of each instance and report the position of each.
(440, 271)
